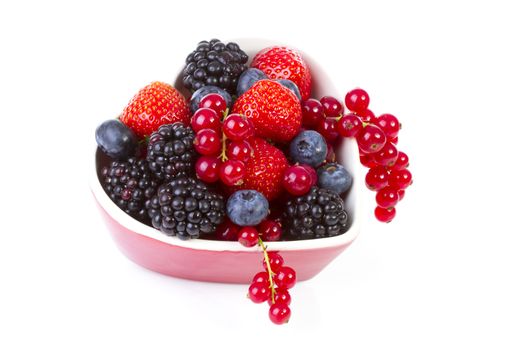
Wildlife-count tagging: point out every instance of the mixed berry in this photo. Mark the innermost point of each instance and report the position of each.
(249, 157)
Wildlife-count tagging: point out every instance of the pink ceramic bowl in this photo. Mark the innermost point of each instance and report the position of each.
(230, 262)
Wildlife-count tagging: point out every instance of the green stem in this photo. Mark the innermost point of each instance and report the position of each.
(270, 272)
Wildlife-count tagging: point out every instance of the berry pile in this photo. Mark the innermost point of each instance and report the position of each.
(254, 168)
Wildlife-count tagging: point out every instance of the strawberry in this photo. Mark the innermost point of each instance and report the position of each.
(154, 105)
(274, 110)
(280, 62)
(265, 169)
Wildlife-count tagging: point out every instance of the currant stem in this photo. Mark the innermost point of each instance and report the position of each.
(270, 272)
(223, 155)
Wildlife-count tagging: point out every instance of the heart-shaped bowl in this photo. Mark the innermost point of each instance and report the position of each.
(224, 261)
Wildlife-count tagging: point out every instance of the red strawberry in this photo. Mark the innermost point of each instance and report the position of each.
(274, 110)
(265, 169)
(154, 105)
(280, 62)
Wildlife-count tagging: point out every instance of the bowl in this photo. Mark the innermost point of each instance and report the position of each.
(221, 261)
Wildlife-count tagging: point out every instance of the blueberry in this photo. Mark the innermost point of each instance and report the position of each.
(290, 85)
(248, 78)
(309, 147)
(334, 177)
(247, 208)
(205, 90)
(116, 139)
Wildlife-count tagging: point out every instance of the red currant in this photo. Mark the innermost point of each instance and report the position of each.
(312, 172)
(385, 215)
(389, 124)
(297, 180)
(261, 277)
(281, 297)
(276, 261)
(207, 142)
(227, 231)
(349, 125)
(232, 172)
(207, 168)
(328, 129)
(371, 139)
(357, 100)
(215, 102)
(367, 160)
(400, 179)
(205, 118)
(236, 127)
(248, 236)
(376, 178)
(280, 313)
(258, 292)
(387, 156)
(285, 277)
(401, 194)
(270, 230)
(394, 140)
(368, 116)
(401, 162)
(387, 197)
(332, 107)
(239, 150)
(313, 113)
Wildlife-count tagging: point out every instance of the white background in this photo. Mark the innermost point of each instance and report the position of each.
(448, 273)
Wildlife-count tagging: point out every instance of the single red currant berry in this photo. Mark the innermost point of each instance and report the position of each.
(376, 178)
(258, 292)
(394, 140)
(281, 297)
(207, 168)
(387, 156)
(236, 127)
(227, 231)
(385, 215)
(297, 180)
(401, 194)
(368, 116)
(239, 150)
(280, 313)
(215, 102)
(248, 236)
(270, 230)
(313, 113)
(349, 125)
(387, 197)
(357, 100)
(368, 160)
(328, 128)
(205, 118)
(312, 172)
(400, 179)
(276, 261)
(285, 278)
(389, 124)
(332, 107)
(232, 172)
(371, 139)
(261, 277)
(330, 154)
(207, 142)
(401, 162)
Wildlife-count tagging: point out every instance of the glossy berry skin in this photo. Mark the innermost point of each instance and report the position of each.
(281, 297)
(328, 128)
(371, 139)
(389, 124)
(232, 172)
(248, 78)
(368, 116)
(205, 90)
(205, 118)
(248, 236)
(285, 278)
(280, 313)
(401, 194)
(368, 160)
(308, 147)
(387, 197)
(247, 208)
(385, 215)
(207, 169)
(394, 140)
(270, 231)
(276, 262)
(400, 179)
(297, 180)
(214, 101)
(116, 140)
(227, 231)
(377, 178)
(237, 127)
(259, 292)
(387, 156)
(349, 125)
(290, 85)
(332, 107)
(261, 277)
(311, 171)
(313, 113)
(401, 161)
(357, 100)
(239, 150)
(334, 177)
(207, 142)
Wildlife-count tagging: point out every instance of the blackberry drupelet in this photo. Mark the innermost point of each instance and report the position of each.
(170, 151)
(214, 63)
(129, 184)
(319, 213)
(185, 207)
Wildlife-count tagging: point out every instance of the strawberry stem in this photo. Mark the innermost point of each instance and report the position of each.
(270, 272)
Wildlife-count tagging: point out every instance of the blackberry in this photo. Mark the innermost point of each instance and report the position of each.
(129, 184)
(170, 151)
(319, 213)
(214, 63)
(185, 207)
